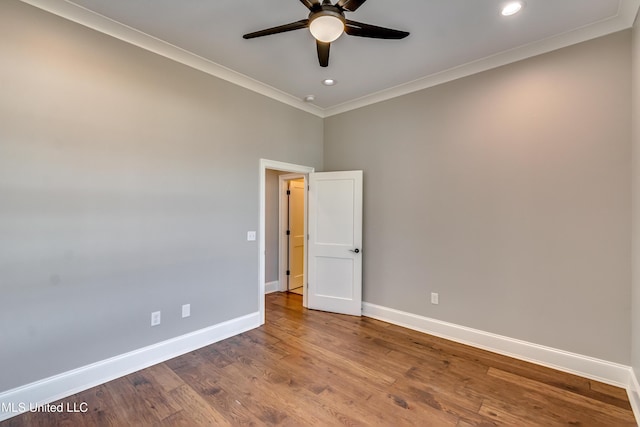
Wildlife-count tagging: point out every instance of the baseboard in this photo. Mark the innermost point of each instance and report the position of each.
(585, 366)
(272, 287)
(21, 399)
(31, 396)
(633, 391)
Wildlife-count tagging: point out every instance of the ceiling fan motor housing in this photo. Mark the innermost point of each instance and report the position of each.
(327, 10)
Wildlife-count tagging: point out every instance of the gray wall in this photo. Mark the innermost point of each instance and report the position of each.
(128, 182)
(506, 192)
(635, 328)
(127, 185)
(272, 216)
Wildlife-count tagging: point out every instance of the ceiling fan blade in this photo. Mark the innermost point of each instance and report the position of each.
(360, 29)
(323, 53)
(350, 5)
(303, 23)
(311, 4)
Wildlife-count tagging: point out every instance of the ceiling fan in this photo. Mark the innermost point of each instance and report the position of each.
(327, 22)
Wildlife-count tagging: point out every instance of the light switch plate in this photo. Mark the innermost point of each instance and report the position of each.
(251, 236)
(155, 318)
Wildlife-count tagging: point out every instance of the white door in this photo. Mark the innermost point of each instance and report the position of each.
(296, 235)
(335, 242)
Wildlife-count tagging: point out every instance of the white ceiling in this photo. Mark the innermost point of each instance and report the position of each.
(449, 39)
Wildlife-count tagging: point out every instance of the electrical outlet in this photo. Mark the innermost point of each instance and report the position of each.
(434, 298)
(155, 318)
(251, 236)
(186, 310)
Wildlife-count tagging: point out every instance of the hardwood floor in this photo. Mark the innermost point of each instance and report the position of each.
(313, 368)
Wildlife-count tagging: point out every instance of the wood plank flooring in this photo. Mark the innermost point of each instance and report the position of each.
(313, 368)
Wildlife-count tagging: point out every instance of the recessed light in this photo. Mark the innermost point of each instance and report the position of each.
(512, 8)
(309, 98)
(329, 82)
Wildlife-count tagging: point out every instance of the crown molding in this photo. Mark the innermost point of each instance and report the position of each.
(102, 24)
(624, 19)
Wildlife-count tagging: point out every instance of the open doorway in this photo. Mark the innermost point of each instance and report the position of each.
(292, 236)
(332, 252)
(275, 246)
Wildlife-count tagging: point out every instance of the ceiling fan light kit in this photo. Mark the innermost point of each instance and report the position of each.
(326, 27)
(327, 22)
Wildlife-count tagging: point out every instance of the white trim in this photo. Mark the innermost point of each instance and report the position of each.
(272, 287)
(101, 23)
(585, 366)
(624, 19)
(279, 166)
(633, 391)
(68, 383)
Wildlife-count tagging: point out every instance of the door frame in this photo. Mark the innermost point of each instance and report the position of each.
(283, 167)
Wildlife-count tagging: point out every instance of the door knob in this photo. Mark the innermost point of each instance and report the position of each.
(356, 250)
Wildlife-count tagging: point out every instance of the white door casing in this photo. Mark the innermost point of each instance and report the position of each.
(335, 242)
